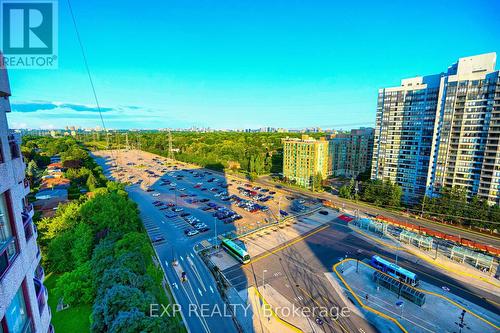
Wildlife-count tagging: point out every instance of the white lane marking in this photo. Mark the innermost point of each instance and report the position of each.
(199, 292)
(175, 285)
(166, 263)
(211, 289)
(191, 255)
(182, 258)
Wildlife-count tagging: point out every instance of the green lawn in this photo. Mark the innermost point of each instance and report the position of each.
(73, 319)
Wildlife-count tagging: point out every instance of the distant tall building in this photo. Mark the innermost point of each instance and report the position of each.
(305, 158)
(23, 297)
(351, 153)
(442, 131)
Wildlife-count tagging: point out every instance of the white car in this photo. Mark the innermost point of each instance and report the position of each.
(182, 189)
(156, 194)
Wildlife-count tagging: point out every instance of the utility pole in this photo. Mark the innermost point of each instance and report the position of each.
(107, 139)
(423, 204)
(170, 150)
(126, 142)
(461, 324)
(215, 229)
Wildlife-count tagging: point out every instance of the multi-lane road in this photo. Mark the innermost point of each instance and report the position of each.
(297, 272)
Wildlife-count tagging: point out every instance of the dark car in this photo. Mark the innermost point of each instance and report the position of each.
(323, 212)
(205, 200)
(157, 239)
(283, 213)
(185, 214)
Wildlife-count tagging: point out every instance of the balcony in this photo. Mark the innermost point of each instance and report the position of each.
(41, 294)
(8, 253)
(14, 147)
(40, 272)
(28, 209)
(28, 226)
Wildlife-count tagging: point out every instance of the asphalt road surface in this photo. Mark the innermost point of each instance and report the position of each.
(297, 270)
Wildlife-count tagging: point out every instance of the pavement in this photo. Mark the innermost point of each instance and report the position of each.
(297, 272)
(413, 318)
(493, 240)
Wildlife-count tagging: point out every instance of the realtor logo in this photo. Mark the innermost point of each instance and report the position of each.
(29, 33)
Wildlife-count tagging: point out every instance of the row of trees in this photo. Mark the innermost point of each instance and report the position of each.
(104, 257)
(98, 248)
(385, 194)
(452, 206)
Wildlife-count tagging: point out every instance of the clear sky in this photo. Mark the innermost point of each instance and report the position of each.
(245, 64)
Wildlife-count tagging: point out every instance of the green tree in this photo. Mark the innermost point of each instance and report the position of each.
(32, 171)
(76, 287)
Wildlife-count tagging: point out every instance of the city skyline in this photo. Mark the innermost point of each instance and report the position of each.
(266, 68)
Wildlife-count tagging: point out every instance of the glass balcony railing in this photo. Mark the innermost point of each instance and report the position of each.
(8, 253)
(41, 294)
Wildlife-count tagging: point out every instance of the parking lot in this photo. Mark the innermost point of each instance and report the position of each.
(198, 201)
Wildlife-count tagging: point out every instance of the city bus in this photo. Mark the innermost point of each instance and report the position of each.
(395, 271)
(236, 251)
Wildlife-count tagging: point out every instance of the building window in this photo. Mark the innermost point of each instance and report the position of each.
(14, 147)
(17, 318)
(8, 248)
(1, 152)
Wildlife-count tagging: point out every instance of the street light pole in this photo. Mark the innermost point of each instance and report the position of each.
(215, 228)
(263, 284)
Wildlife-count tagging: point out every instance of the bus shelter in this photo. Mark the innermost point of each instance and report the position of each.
(421, 241)
(399, 288)
(370, 225)
(476, 259)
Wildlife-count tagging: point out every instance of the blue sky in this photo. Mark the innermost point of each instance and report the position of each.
(245, 64)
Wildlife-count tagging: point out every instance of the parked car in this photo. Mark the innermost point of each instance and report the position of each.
(191, 232)
(323, 212)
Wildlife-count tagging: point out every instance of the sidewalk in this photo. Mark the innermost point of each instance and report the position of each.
(459, 271)
(438, 314)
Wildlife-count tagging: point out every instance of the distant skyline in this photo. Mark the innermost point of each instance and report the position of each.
(289, 64)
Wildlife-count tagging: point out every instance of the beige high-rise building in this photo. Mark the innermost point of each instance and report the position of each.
(351, 153)
(442, 131)
(304, 159)
(466, 149)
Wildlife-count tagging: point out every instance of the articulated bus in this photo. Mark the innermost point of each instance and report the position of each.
(395, 271)
(236, 251)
